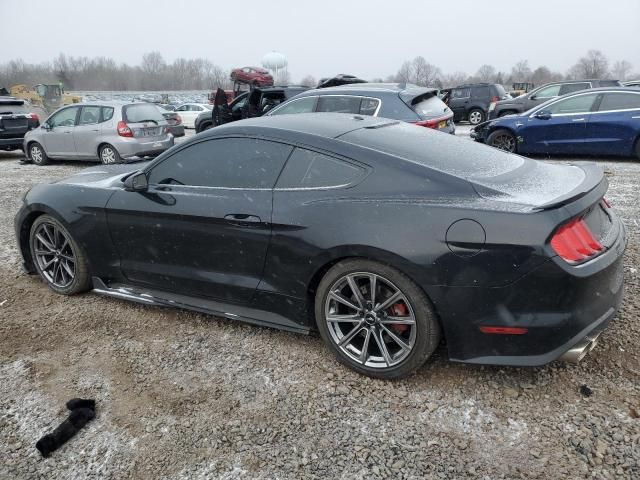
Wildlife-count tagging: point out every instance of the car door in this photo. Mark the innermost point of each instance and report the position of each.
(458, 101)
(86, 133)
(58, 139)
(560, 127)
(203, 226)
(613, 128)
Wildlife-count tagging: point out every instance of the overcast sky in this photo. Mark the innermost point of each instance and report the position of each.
(368, 38)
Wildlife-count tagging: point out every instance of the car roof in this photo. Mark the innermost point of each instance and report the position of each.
(322, 124)
(12, 100)
(603, 89)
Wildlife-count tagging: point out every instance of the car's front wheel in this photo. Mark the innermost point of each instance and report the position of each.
(57, 257)
(37, 154)
(109, 155)
(476, 116)
(503, 140)
(375, 319)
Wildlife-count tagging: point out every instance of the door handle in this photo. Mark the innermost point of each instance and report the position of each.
(578, 120)
(242, 218)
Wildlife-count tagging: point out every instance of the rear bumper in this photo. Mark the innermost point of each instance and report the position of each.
(177, 130)
(129, 148)
(11, 142)
(559, 305)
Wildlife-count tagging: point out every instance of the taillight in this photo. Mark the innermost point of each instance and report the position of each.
(178, 119)
(494, 98)
(432, 123)
(574, 242)
(33, 116)
(124, 130)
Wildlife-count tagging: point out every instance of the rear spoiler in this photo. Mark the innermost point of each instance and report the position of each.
(413, 94)
(594, 178)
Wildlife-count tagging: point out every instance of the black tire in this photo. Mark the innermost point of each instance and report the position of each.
(503, 140)
(638, 148)
(81, 280)
(37, 154)
(109, 155)
(476, 116)
(424, 332)
(205, 126)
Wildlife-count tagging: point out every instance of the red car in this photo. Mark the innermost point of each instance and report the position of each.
(253, 75)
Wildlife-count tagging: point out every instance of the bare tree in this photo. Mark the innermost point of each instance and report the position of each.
(593, 65)
(621, 69)
(419, 72)
(521, 72)
(486, 73)
(454, 79)
(308, 81)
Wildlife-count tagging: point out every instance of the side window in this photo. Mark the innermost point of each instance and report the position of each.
(64, 118)
(308, 169)
(339, 104)
(226, 162)
(573, 87)
(619, 101)
(301, 105)
(368, 106)
(548, 92)
(461, 92)
(577, 104)
(181, 108)
(107, 114)
(89, 115)
(480, 92)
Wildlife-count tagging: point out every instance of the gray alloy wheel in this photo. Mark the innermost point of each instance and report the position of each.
(476, 116)
(503, 140)
(37, 154)
(375, 319)
(58, 259)
(378, 329)
(109, 155)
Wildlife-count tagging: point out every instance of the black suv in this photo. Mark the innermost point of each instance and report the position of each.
(254, 103)
(16, 119)
(471, 102)
(542, 94)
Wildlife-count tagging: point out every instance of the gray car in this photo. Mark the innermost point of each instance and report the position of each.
(106, 131)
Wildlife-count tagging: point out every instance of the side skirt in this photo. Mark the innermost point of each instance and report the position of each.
(211, 307)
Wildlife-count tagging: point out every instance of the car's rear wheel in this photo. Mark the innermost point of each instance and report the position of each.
(37, 154)
(503, 140)
(375, 319)
(109, 155)
(476, 116)
(57, 257)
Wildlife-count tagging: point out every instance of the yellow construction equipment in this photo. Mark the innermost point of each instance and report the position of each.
(48, 97)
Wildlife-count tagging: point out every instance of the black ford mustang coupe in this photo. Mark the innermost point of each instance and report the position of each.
(384, 236)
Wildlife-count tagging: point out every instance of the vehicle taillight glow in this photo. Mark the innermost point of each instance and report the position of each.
(433, 122)
(574, 242)
(178, 119)
(494, 99)
(124, 130)
(504, 330)
(33, 116)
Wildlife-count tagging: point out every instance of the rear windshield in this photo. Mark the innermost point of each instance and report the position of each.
(501, 91)
(141, 112)
(8, 109)
(436, 150)
(430, 107)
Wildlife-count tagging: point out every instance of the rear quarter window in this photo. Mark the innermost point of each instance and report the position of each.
(573, 87)
(140, 112)
(480, 92)
(309, 169)
(619, 101)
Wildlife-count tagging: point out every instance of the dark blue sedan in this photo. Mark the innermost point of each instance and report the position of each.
(600, 121)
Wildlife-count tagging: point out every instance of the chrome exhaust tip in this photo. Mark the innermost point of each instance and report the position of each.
(580, 349)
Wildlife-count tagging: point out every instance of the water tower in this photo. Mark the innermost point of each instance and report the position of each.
(276, 62)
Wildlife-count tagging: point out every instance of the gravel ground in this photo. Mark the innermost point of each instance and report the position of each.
(182, 395)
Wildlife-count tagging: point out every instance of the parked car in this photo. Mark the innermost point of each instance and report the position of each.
(471, 102)
(174, 121)
(256, 76)
(599, 121)
(105, 131)
(382, 236)
(16, 119)
(632, 83)
(409, 103)
(542, 94)
(227, 113)
(190, 111)
(341, 79)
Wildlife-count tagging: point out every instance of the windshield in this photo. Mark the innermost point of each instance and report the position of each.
(141, 112)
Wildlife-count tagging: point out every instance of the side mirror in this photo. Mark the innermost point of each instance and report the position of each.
(532, 97)
(136, 182)
(46, 126)
(543, 115)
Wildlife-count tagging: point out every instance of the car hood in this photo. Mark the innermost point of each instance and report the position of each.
(104, 176)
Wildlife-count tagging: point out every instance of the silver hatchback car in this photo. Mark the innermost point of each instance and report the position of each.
(106, 131)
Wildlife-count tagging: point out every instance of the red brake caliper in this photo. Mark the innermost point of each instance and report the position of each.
(398, 310)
